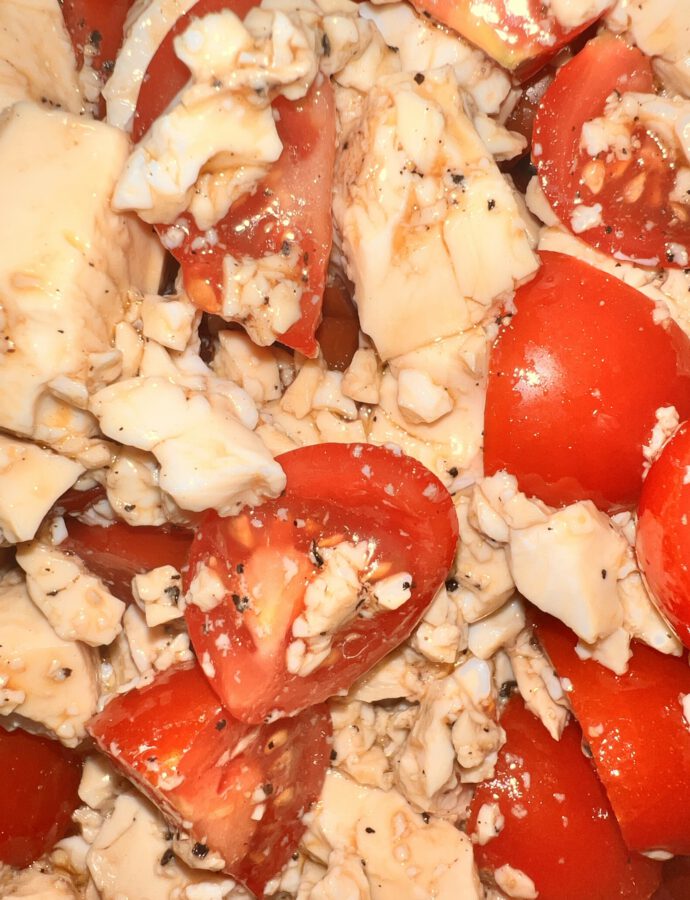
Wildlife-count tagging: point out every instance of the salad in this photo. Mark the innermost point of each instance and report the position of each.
(345, 456)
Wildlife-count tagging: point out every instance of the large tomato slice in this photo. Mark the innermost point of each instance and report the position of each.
(266, 557)
(521, 35)
(559, 827)
(119, 552)
(243, 789)
(638, 219)
(38, 783)
(292, 204)
(676, 880)
(96, 27)
(663, 532)
(638, 730)
(574, 384)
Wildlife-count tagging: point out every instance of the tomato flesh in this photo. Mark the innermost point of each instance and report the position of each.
(335, 492)
(575, 380)
(119, 552)
(521, 35)
(244, 789)
(638, 219)
(559, 827)
(663, 533)
(275, 216)
(640, 740)
(38, 783)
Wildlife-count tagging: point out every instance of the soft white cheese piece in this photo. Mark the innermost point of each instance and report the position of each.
(155, 648)
(228, 469)
(31, 480)
(431, 231)
(254, 368)
(442, 633)
(660, 28)
(64, 285)
(76, 603)
(497, 630)
(43, 677)
(168, 320)
(403, 856)
(538, 684)
(568, 567)
(125, 859)
(36, 57)
(423, 46)
(490, 822)
(419, 399)
(133, 489)
(158, 593)
(144, 33)
(574, 13)
(361, 379)
(515, 883)
(37, 884)
(98, 785)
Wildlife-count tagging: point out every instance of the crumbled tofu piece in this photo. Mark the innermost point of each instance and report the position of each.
(254, 368)
(169, 320)
(661, 29)
(31, 480)
(331, 599)
(128, 850)
(76, 603)
(490, 822)
(419, 399)
(155, 648)
(515, 883)
(457, 365)
(361, 379)
(157, 593)
(483, 578)
(37, 883)
(64, 285)
(538, 684)
(568, 567)
(231, 467)
(423, 46)
(36, 57)
(132, 486)
(43, 677)
(442, 633)
(497, 630)
(415, 241)
(401, 852)
(223, 114)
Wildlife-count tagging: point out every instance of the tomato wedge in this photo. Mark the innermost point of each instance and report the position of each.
(275, 215)
(97, 25)
(676, 880)
(575, 380)
(38, 782)
(639, 220)
(559, 827)
(244, 789)
(521, 35)
(663, 533)
(636, 727)
(119, 552)
(367, 502)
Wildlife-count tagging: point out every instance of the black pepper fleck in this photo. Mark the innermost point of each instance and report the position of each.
(419, 78)
(200, 850)
(167, 857)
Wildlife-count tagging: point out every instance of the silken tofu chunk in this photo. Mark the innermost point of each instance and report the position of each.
(36, 57)
(67, 264)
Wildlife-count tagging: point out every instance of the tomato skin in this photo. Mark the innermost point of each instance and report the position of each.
(356, 489)
(175, 731)
(559, 827)
(575, 380)
(119, 552)
(642, 753)
(663, 535)
(38, 784)
(305, 169)
(527, 35)
(639, 229)
(99, 23)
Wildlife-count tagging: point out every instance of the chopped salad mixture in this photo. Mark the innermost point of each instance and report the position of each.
(344, 449)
